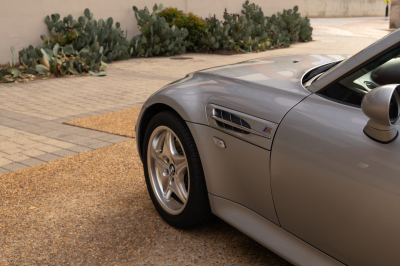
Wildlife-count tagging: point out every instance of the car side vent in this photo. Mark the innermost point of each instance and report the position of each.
(233, 119)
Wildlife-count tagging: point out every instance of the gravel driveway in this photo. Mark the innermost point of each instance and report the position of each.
(93, 209)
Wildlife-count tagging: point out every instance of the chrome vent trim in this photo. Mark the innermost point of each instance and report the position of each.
(230, 121)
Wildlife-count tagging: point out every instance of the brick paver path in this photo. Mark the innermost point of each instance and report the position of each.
(31, 114)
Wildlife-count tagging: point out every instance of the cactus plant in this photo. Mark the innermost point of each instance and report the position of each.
(195, 25)
(12, 62)
(87, 31)
(252, 31)
(305, 30)
(57, 60)
(249, 31)
(291, 19)
(157, 36)
(246, 32)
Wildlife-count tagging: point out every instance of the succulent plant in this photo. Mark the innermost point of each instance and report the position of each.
(76, 47)
(277, 32)
(12, 62)
(292, 23)
(195, 25)
(157, 36)
(305, 34)
(60, 60)
(246, 32)
(251, 31)
(86, 31)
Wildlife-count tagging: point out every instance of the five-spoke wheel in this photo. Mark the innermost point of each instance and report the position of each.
(173, 171)
(168, 169)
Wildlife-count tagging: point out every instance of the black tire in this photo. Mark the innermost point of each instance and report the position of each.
(197, 209)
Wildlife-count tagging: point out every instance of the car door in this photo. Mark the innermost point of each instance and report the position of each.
(334, 187)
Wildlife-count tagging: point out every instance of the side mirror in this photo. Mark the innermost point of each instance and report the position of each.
(382, 106)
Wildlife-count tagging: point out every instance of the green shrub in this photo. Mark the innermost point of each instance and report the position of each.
(195, 25)
(252, 31)
(174, 16)
(249, 31)
(157, 36)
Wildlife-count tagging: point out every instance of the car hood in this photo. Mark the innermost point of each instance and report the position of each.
(279, 72)
(266, 88)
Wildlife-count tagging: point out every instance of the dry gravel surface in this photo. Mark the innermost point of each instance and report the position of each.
(119, 122)
(94, 209)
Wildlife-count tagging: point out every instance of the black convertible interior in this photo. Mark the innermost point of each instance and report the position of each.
(388, 73)
(352, 88)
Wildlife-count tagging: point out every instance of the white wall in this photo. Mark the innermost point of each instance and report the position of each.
(22, 21)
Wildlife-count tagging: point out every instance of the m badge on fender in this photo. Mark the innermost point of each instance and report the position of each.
(267, 130)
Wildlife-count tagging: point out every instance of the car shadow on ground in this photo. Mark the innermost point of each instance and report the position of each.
(94, 209)
(136, 234)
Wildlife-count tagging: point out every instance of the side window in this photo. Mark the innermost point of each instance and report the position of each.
(352, 88)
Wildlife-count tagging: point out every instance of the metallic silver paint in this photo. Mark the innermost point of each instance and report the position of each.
(260, 139)
(383, 136)
(268, 234)
(266, 88)
(334, 187)
(376, 105)
(239, 173)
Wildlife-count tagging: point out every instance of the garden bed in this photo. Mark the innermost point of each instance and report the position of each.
(86, 45)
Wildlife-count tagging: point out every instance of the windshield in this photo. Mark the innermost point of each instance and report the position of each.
(313, 74)
(337, 65)
(380, 71)
(332, 68)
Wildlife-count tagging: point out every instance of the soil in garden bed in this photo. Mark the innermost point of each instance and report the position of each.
(32, 78)
(26, 78)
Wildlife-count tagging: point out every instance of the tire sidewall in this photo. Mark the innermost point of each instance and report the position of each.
(170, 120)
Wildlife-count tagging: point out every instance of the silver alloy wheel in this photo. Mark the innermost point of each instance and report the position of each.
(168, 170)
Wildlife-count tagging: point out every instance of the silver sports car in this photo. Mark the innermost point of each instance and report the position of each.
(298, 152)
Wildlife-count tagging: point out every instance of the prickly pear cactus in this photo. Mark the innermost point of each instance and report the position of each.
(292, 23)
(305, 34)
(246, 32)
(252, 31)
(61, 60)
(157, 36)
(87, 31)
(249, 31)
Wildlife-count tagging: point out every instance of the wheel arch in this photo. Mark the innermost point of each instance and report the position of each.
(147, 115)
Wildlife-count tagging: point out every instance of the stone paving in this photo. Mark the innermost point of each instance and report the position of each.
(32, 114)
(358, 26)
(28, 141)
